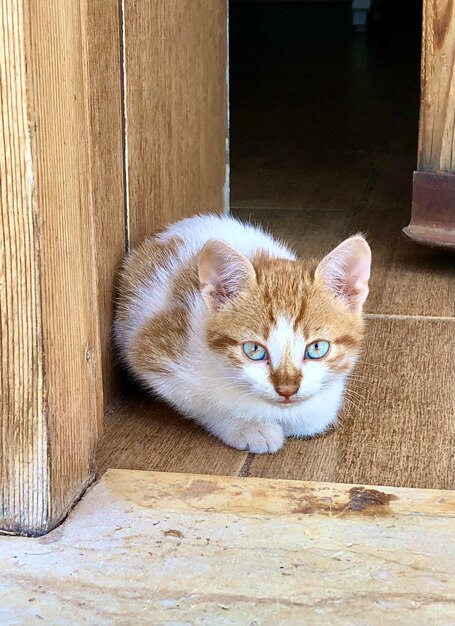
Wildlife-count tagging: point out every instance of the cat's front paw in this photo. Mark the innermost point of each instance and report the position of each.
(257, 438)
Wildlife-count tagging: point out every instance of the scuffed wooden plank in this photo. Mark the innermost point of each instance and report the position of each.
(176, 111)
(187, 549)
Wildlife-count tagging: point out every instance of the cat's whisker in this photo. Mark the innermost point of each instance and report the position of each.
(227, 388)
(234, 385)
(367, 363)
(359, 401)
(348, 410)
(239, 399)
(355, 376)
(359, 385)
(357, 396)
(355, 393)
(234, 379)
(356, 406)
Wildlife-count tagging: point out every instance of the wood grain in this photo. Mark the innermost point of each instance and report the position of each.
(51, 369)
(106, 163)
(399, 424)
(175, 85)
(437, 111)
(24, 477)
(143, 435)
(192, 549)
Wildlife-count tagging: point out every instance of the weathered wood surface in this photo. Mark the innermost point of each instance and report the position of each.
(159, 548)
(23, 433)
(437, 110)
(176, 110)
(50, 349)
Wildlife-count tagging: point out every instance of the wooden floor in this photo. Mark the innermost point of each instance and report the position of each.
(158, 548)
(324, 143)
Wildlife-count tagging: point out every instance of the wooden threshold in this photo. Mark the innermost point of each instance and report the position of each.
(183, 548)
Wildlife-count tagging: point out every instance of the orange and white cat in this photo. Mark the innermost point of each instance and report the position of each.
(227, 325)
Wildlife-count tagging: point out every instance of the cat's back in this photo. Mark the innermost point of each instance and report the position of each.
(152, 273)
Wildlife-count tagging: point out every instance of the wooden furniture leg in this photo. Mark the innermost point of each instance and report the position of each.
(433, 199)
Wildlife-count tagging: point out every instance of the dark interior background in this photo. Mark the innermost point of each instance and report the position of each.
(309, 93)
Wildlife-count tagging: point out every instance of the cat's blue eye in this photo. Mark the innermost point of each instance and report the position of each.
(317, 350)
(255, 351)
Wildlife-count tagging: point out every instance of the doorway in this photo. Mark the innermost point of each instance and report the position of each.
(323, 131)
(316, 106)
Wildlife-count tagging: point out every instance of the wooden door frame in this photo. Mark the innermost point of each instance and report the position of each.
(61, 183)
(433, 196)
(112, 123)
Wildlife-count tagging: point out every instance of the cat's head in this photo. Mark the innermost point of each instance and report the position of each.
(285, 329)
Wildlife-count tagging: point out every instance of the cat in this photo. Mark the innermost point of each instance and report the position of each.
(222, 321)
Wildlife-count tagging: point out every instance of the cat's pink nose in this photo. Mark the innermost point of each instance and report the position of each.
(287, 390)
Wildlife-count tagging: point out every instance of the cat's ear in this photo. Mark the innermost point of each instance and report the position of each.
(223, 273)
(346, 271)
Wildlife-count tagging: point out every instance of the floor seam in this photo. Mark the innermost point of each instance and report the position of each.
(277, 208)
(245, 469)
(398, 316)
